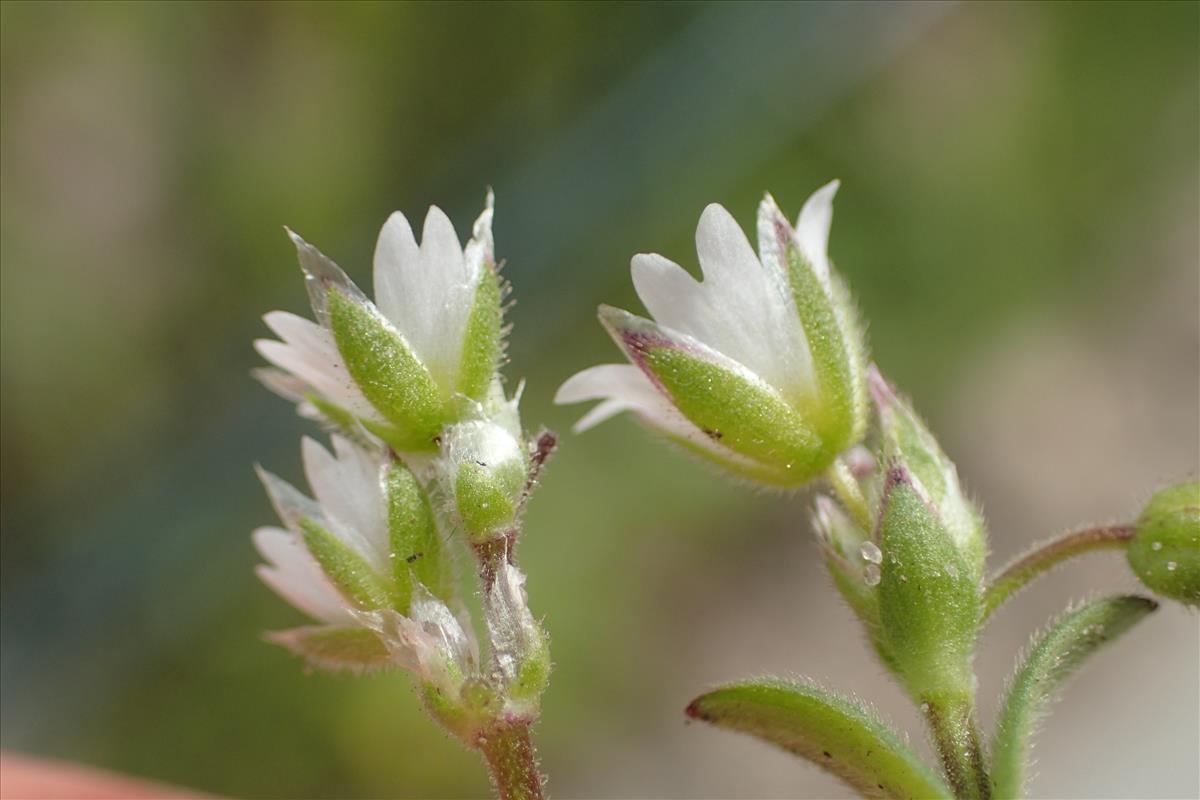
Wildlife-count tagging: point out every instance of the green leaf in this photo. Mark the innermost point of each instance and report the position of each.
(1049, 664)
(352, 576)
(416, 548)
(483, 339)
(333, 647)
(929, 595)
(836, 734)
(387, 372)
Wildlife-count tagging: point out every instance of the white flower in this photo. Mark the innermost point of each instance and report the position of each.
(335, 561)
(405, 365)
(759, 367)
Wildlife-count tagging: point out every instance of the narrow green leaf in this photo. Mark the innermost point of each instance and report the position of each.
(1049, 664)
(482, 342)
(387, 372)
(416, 548)
(836, 734)
(334, 648)
(353, 577)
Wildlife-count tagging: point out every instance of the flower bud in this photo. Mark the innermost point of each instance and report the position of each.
(906, 441)
(486, 469)
(932, 543)
(1165, 549)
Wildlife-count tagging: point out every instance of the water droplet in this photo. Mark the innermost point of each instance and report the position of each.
(1172, 566)
(1156, 545)
(871, 553)
(871, 575)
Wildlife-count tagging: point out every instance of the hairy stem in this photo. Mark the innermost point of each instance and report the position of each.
(841, 479)
(1048, 555)
(951, 720)
(512, 760)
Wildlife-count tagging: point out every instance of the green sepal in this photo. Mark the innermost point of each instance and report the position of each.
(451, 712)
(1049, 664)
(334, 647)
(415, 546)
(836, 734)
(348, 572)
(838, 355)
(1165, 549)
(483, 339)
(906, 439)
(533, 673)
(930, 602)
(842, 542)
(387, 372)
(732, 406)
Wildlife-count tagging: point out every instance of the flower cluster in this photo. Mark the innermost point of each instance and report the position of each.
(425, 446)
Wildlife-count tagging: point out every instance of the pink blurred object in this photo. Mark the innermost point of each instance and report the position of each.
(27, 778)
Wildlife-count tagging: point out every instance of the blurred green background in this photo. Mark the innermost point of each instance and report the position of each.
(1018, 219)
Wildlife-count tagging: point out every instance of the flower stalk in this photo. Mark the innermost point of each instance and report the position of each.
(1048, 555)
(951, 721)
(512, 760)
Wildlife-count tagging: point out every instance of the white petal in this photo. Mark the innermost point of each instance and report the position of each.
(741, 309)
(606, 380)
(293, 574)
(310, 353)
(725, 254)
(350, 491)
(624, 387)
(672, 296)
(397, 270)
(601, 412)
(812, 228)
(426, 292)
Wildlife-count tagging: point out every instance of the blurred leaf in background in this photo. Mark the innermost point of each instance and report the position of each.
(1000, 163)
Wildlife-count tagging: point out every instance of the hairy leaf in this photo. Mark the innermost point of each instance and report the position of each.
(1050, 663)
(836, 734)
